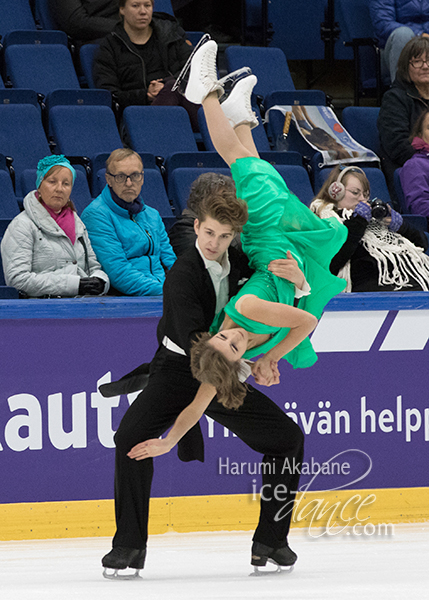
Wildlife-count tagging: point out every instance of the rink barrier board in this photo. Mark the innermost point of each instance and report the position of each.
(313, 510)
(37, 505)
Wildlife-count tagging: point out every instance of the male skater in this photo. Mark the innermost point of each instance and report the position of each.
(198, 285)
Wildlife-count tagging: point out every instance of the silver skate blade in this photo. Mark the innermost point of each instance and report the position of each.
(116, 575)
(258, 572)
(181, 81)
(229, 81)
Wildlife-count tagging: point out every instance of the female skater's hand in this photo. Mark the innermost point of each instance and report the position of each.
(266, 372)
(149, 448)
(287, 268)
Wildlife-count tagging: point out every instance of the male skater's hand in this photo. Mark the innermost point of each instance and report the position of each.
(149, 448)
(287, 268)
(266, 372)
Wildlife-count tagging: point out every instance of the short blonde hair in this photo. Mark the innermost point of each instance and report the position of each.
(121, 154)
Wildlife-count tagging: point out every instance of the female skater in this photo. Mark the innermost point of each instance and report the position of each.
(278, 223)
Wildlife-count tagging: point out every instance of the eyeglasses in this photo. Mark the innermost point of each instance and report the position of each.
(357, 193)
(418, 64)
(122, 178)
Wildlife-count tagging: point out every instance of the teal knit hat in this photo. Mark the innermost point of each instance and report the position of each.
(45, 164)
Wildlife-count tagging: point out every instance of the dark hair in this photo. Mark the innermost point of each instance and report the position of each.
(208, 365)
(214, 196)
(209, 184)
(323, 193)
(415, 48)
(418, 126)
(122, 3)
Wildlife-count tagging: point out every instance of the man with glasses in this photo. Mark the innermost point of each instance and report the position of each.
(128, 237)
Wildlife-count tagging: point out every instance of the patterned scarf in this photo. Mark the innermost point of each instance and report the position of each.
(398, 259)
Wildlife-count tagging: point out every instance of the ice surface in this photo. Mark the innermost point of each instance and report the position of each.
(199, 566)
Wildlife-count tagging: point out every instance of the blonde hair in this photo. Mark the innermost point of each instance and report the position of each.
(208, 365)
(121, 154)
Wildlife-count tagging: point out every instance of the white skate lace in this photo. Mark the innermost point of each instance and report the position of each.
(208, 70)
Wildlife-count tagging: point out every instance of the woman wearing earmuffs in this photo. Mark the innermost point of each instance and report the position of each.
(382, 252)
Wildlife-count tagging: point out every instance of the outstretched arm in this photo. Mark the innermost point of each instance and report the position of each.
(184, 422)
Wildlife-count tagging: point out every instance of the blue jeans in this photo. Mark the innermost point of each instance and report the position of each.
(394, 45)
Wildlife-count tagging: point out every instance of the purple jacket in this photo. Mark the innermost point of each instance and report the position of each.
(388, 15)
(414, 177)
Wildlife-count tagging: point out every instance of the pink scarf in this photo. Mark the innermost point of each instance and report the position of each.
(419, 144)
(65, 220)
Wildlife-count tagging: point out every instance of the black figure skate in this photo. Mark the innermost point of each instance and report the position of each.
(121, 558)
(281, 557)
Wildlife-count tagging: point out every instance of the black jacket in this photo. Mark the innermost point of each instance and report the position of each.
(119, 68)
(400, 109)
(189, 300)
(363, 267)
(85, 20)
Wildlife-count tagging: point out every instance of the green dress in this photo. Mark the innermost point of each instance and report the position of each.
(278, 221)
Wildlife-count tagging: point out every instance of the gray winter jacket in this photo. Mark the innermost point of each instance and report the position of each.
(39, 258)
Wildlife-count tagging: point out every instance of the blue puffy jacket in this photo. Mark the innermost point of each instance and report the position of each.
(388, 15)
(133, 251)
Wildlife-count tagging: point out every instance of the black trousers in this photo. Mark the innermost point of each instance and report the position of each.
(259, 422)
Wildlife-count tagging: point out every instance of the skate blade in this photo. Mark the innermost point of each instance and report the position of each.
(231, 80)
(259, 572)
(182, 79)
(115, 575)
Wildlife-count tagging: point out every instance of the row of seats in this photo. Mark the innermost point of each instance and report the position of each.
(36, 14)
(87, 133)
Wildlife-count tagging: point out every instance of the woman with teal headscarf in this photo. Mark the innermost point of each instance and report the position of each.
(45, 249)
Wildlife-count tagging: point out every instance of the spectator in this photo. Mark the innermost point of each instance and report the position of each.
(381, 253)
(139, 61)
(129, 237)
(415, 172)
(46, 250)
(85, 20)
(395, 23)
(182, 234)
(402, 106)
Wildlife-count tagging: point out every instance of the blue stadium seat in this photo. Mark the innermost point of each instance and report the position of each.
(22, 137)
(159, 130)
(164, 6)
(12, 96)
(181, 179)
(41, 67)
(86, 55)
(361, 123)
(8, 202)
(298, 181)
(84, 131)
(180, 182)
(305, 97)
(35, 37)
(15, 15)
(359, 34)
(81, 195)
(268, 64)
(79, 97)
